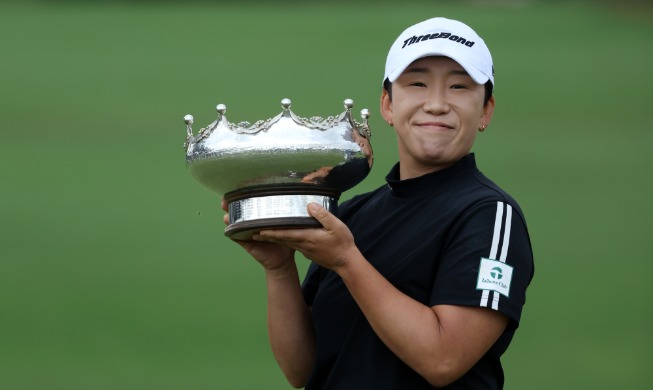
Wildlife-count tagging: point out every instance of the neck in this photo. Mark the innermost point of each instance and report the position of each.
(407, 171)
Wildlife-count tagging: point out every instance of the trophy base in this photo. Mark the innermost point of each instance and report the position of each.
(251, 211)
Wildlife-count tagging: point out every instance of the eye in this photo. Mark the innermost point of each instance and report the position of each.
(417, 84)
(459, 86)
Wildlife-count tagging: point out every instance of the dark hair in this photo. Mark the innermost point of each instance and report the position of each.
(387, 85)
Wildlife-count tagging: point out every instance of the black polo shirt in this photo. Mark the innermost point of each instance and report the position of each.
(449, 237)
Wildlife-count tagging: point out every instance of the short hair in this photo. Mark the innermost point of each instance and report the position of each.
(489, 87)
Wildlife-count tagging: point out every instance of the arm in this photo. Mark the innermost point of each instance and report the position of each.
(441, 343)
(290, 329)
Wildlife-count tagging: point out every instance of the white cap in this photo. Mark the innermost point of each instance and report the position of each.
(441, 37)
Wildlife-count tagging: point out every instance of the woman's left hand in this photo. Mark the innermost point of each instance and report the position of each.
(330, 246)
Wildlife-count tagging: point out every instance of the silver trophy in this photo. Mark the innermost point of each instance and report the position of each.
(270, 171)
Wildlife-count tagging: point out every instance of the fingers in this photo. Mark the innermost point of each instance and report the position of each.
(225, 207)
(278, 235)
(326, 219)
(318, 212)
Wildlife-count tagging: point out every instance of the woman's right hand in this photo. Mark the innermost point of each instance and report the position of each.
(272, 256)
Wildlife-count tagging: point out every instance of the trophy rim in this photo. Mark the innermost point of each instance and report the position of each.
(281, 189)
(246, 229)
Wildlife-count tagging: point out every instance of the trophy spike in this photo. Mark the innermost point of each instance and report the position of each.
(348, 104)
(364, 128)
(188, 120)
(221, 109)
(285, 104)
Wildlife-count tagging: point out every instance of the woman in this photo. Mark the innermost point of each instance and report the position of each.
(420, 283)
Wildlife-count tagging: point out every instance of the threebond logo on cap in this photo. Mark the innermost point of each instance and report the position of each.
(441, 35)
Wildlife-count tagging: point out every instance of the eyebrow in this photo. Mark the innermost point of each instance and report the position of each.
(454, 72)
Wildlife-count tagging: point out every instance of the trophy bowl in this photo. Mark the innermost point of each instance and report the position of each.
(270, 171)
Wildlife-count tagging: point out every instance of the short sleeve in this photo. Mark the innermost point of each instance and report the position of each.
(487, 261)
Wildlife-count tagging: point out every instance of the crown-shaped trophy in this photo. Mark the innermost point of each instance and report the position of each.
(270, 171)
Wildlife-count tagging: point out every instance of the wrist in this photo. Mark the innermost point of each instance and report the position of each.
(348, 262)
(287, 269)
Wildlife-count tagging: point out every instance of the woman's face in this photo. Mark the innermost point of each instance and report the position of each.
(436, 110)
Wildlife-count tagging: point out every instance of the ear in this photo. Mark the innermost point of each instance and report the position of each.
(488, 111)
(386, 107)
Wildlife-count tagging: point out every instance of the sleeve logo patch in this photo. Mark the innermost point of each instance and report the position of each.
(495, 276)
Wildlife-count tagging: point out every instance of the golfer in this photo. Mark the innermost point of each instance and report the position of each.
(421, 282)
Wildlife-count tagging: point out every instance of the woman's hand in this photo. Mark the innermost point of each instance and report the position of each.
(273, 257)
(331, 246)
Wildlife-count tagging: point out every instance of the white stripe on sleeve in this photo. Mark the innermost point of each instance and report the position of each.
(497, 231)
(496, 237)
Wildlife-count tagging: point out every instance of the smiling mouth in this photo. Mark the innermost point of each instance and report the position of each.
(435, 125)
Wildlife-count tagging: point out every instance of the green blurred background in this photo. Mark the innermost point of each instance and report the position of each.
(114, 273)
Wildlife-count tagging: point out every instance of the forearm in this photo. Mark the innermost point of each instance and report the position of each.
(439, 345)
(289, 325)
(409, 328)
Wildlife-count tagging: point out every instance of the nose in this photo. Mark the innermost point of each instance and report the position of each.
(436, 101)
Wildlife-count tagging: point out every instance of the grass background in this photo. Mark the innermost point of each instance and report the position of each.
(114, 273)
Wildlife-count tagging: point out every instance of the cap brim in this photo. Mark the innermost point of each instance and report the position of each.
(475, 73)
